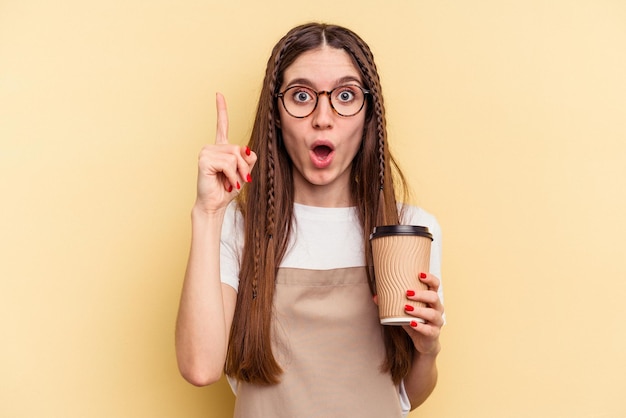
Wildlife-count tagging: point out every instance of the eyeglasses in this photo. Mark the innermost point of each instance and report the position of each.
(301, 101)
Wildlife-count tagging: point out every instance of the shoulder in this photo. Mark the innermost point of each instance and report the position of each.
(233, 219)
(231, 245)
(232, 229)
(414, 215)
(232, 212)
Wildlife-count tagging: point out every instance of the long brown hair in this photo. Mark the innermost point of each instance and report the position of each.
(267, 205)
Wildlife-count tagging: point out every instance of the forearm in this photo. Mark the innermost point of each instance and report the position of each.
(202, 325)
(422, 378)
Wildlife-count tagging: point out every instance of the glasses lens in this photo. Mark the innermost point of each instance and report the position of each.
(347, 100)
(301, 101)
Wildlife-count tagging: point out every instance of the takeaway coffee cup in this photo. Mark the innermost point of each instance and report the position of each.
(401, 253)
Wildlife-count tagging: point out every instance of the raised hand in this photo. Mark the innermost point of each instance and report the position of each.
(223, 168)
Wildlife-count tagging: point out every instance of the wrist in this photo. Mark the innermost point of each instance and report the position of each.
(206, 223)
(428, 348)
(431, 353)
(201, 213)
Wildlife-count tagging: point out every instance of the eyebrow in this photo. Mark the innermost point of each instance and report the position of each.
(309, 83)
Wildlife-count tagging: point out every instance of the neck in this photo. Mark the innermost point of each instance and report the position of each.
(334, 195)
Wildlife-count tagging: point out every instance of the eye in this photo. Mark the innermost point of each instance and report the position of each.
(346, 94)
(302, 95)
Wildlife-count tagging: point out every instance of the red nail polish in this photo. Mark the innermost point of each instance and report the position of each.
(247, 150)
(410, 292)
(249, 178)
(230, 188)
(422, 275)
(238, 186)
(408, 308)
(414, 324)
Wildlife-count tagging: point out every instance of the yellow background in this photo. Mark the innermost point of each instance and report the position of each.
(509, 118)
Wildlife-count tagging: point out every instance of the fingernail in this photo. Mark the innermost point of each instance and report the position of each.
(422, 275)
(249, 178)
(247, 150)
(414, 324)
(230, 188)
(408, 308)
(410, 292)
(238, 186)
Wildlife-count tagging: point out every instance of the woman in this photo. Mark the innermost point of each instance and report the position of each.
(277, 293)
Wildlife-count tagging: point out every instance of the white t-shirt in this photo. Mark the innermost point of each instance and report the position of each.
(322, 239)
(330, 238)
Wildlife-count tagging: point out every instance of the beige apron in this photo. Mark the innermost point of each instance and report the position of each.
(327, 338)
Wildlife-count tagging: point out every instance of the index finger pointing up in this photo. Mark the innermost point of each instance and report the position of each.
(221, 136)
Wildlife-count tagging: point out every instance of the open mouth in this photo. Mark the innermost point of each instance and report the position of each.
(322, 151)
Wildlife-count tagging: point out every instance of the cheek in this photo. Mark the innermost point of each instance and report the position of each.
(358, 132)
(287, 123)
(289, 134)
(357, 138)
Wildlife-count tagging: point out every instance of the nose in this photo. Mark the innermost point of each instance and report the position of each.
(323, 113)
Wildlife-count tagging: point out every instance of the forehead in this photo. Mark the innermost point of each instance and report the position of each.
(322, 67)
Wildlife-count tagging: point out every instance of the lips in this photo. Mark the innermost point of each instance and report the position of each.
(322, 153)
